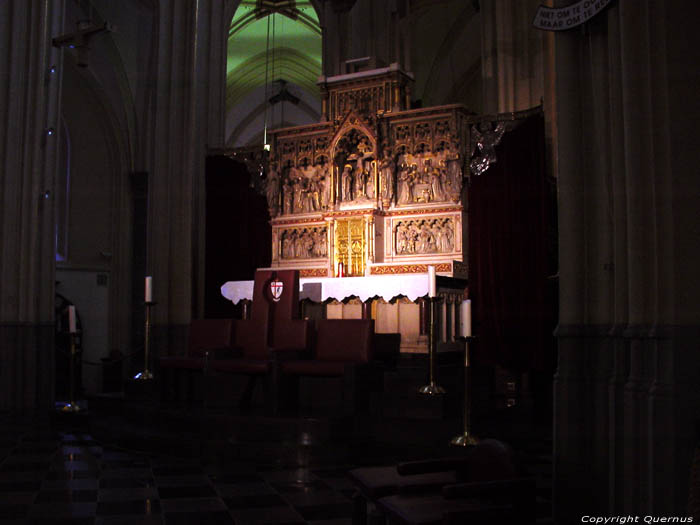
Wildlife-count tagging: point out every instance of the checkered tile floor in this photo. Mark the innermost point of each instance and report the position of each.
(49, 477)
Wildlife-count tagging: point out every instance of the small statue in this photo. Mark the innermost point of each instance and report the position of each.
(386, 177)
(346, 180)
(453, 163)
(288, 197)
(404, 184)
(272, 190)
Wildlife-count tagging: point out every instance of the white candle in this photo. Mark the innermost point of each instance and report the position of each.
(432, 290)
(71, 319)
(149, 289)
(466, 315)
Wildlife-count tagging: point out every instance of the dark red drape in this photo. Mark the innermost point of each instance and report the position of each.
(510, 254)
(238, 234)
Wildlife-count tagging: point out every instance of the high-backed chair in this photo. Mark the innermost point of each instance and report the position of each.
(206, 337)
(342, 350)
(273, 324)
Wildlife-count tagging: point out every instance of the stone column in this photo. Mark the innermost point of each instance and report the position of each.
(29, 137)
(629, 306)
(187, 115)
(512, 56)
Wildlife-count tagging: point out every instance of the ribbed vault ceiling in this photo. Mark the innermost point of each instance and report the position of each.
(296, 47)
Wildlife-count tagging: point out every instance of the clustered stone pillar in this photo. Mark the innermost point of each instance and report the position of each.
(512, 56)
(624, 405)
(188, 108)
(29, 135)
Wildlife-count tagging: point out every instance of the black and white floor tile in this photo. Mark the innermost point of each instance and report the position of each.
(50, 478)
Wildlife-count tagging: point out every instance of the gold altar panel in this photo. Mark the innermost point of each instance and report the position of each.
(350, 246)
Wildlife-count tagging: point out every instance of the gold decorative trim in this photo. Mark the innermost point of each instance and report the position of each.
(409, 268)
(365, 211)
(351, 213)
(314, 272)
(418, 211)
(313, 221)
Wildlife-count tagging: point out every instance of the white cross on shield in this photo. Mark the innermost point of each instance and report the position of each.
(276, 288)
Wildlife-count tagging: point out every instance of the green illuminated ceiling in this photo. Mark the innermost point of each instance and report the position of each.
(296, 49)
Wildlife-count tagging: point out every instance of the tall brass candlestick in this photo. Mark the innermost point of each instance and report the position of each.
(432, 388)
(466, 438)
(146, 374)
(71, 406)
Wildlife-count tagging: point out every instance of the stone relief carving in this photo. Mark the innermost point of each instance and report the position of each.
(421, 236)
(416, 163)
(356, 155)
(428, 177)
(422, 176)
(303, 243)
(306, 188)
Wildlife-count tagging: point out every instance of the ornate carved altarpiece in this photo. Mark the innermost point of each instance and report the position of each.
(375, 188)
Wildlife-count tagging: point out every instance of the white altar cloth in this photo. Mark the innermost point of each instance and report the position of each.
(387, 287)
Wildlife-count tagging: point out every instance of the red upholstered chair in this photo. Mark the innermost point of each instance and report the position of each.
(255, 359)
(206, 337)
(342, 350)
(274, 324)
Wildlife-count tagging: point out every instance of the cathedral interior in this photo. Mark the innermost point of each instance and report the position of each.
(319, 195)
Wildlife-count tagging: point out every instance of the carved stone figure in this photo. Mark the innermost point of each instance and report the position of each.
(319, 240)
(272, 190)
(288, 197)
(346, 182)
(401, 239)
(324, 184)
(439, 237)
(386, 176)
(370, 183)
(360, 182)
(425, 242)
(298, 245)
(296, 183)
(449, 236)
(436, 185)
(453, 163)
(404, 185)
(287, 250)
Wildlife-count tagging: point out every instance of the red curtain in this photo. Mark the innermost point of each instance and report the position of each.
(512, 254)
(238, 232)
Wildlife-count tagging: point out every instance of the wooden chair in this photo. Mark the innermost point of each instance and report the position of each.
(342, 350)
(274, 325)
(252, 357)
(206, 337)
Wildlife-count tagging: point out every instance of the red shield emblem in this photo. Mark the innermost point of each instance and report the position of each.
(276, 289)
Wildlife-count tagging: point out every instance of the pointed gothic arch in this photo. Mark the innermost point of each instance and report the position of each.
(295, 57)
